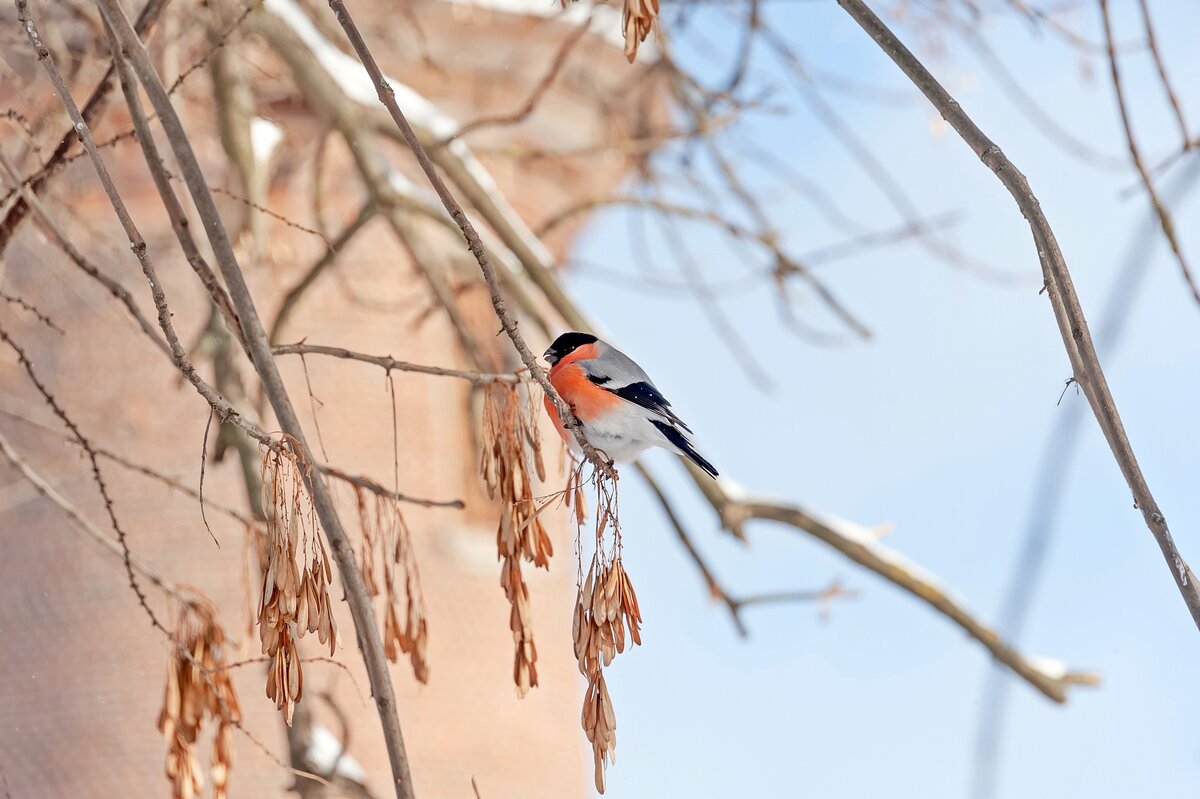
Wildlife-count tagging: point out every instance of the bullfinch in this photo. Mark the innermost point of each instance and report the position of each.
(621, 411)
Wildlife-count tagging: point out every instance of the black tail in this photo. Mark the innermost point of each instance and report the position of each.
(680, 440)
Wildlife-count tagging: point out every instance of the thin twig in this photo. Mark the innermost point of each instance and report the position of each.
(63, 243)
(203, 465)
(82, 523)
(1135, 154)
(375, 488)
(217, 44)
(92, 109)
(715, 589)
(1067, 310)
(327, 259)
(531, 102)
(31, 308)
(1172, 98)
(388, 363)
(97, 475)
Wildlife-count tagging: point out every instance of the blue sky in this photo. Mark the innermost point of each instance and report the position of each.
(935, 426)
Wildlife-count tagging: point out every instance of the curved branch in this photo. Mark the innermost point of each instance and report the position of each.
(860, 545)
(1067, 310)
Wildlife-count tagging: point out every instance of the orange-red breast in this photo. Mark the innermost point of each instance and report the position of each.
(620, 410)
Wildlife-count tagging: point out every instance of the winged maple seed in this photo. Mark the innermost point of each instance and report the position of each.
(296, 578)
(511, 456)
(198, 687)
(386, 538)
(639, 17)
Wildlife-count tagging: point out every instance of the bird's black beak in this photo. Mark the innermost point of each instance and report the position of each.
(551, 356)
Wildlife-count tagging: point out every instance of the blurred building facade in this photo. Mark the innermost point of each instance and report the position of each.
(81, 669)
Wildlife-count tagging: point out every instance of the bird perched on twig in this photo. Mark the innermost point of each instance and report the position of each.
(620, 410)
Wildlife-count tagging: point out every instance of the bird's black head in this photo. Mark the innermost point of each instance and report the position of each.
(567, 343)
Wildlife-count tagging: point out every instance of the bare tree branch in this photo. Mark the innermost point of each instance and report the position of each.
(858, 544)
(474, 243)
(259, 348)
(535, 96)
(1072, 325)
(1135, 154)
(388, 363)
(162, 182)
(91, 270)
(327, 259)
(92, 110)
(1050, 487)
(1172, 98)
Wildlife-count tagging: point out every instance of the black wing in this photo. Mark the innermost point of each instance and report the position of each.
(645, 395)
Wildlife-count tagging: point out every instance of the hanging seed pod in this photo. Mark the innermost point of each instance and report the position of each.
(198, 687)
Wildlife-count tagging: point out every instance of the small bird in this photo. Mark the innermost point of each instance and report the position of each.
(621, 411)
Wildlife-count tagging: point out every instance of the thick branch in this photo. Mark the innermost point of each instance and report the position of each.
(162, 182)
(260, 352)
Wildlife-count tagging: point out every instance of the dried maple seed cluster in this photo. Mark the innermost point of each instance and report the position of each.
(296, 578)
(511, 456)
(386, 538)
(639, 18)
(198, 687)
(606, 607)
